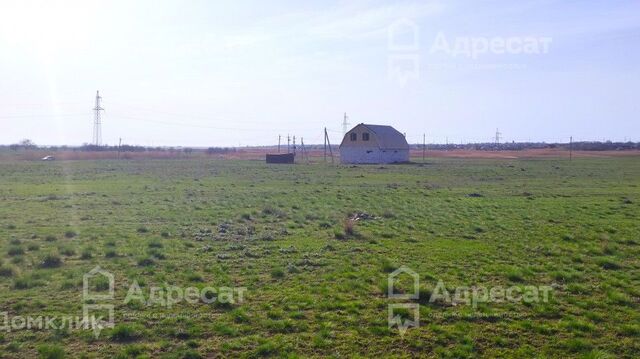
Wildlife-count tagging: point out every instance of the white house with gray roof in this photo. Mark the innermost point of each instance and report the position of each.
(374, 144)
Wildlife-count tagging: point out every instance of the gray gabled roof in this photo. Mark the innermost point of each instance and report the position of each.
(388, 137)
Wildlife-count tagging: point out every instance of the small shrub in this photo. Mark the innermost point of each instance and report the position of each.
(101, 283)
(515, 275)
(269, 210)
(6, 271)
(133, 351)
(155, 244)
(51, 261)
(195, 277)
(267, 236)
(142, 229)
(110, 253)
(608, 264)
(190, 354)
(124, 333)
(70, 234)
(240, 316)
(146, 262)
(165, 234)
(33, 247)
(388, 214)
(272, 211)
(15, 242)
(156, 254)
(387, 266)
(86, 254)
(577, 345)
(324, 225)
(618, 298)
(50, 238)
(15, 251)
(50, 352)
(631, 330)
(277, 273)
(23, 283)
(67, 251)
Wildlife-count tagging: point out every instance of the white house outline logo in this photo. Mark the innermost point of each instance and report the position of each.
(399, 27)
(391, 280)
(86, 295)
(90, 320)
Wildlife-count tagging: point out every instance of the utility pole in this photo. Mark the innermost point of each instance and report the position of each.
(345, 125)
(325, 145)
(279, 137)
(294, 144)
(119, 145)
(498, 134)
(304, 150)
(424, 145)
(570, 148)
(97, 122)
(288, 141)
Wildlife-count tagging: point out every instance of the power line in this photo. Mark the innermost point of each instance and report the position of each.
(169, 123)
(36, 116)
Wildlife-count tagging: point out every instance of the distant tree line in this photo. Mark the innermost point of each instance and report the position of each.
(220, 150)
(27, 144)
(519, 146)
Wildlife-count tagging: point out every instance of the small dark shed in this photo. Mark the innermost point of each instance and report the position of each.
(281, 158)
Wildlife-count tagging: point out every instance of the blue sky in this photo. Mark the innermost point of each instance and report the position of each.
(229, 73)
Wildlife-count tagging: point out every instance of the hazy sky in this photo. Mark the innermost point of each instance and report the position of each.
(228, 73)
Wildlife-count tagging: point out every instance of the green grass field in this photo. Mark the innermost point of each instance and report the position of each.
(316, 282)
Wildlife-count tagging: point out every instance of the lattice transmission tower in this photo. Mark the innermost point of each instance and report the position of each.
(97, 122)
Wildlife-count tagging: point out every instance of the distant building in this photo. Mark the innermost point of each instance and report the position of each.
(374, 144)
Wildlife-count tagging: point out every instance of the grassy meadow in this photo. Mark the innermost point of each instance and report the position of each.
(316, 278)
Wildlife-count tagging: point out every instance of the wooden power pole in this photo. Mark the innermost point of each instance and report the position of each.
(327, 142)
(570, 148)
(424, 145)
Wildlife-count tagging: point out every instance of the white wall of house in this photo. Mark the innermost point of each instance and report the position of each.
(372, 155)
